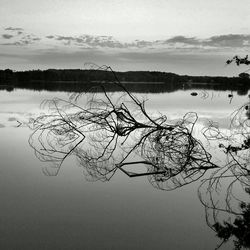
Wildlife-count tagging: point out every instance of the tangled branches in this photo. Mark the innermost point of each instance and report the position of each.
(235, 142)
(229, 216)
(182, 156)
(110, 132)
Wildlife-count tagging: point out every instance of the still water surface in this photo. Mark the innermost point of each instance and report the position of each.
(68, 212)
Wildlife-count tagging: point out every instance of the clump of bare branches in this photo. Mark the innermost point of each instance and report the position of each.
(111, 132)
(223, 193)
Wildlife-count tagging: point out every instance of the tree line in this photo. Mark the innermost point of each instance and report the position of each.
(136, 81)
(83, 75)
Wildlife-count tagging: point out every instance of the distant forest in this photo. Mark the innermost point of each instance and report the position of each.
(79, 80)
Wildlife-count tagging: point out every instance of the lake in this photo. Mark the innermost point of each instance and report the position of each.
(68, 212)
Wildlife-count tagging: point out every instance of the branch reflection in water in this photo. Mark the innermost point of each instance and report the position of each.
(225, 194)
(110, 133)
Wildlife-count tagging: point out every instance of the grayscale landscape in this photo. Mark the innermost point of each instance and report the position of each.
(124, 124)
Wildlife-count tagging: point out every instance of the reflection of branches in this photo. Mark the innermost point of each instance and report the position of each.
(222, 194)
(239, 228)
(55, 135)
(232, 220)
(113, 132)
(184, 156)
(236, 141)
(226, 215)
(108, 132)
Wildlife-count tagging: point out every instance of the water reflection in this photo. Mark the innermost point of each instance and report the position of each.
(70, 212)
(225, 194)
(110, 134)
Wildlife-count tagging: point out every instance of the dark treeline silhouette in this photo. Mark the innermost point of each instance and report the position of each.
(136, 81)
(93, 87)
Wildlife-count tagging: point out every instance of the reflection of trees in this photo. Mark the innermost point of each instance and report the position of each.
(224, 193)
(231, 221)
(110, 133)
(239, 228)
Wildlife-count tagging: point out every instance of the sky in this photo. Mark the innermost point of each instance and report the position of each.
(192, 37)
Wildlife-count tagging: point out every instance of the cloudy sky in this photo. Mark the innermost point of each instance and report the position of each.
(193, 37)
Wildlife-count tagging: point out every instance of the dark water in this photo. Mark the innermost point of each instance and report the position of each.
(68, 212)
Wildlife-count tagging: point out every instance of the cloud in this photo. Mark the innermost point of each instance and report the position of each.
(7, 36)
(89, 41)
(12, 43)
(28, 39)
(20, 38)
(183, 39)
(177, 43)
(13, 29)
(67, 38)
(35, 39)
(180, 54)
(236, 40)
